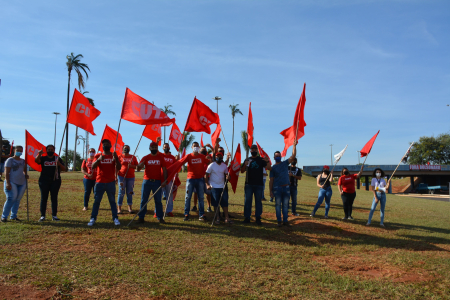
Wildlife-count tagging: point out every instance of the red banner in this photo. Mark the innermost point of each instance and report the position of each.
(262, 153)
(235, 168)
(111, 135)
(140, 111)
(152, 132)
(200, 118)
(176, 137)
(32, 147)
(82, 113)
(368, 147)
(215, 135)
(250, 126)
(299, 118)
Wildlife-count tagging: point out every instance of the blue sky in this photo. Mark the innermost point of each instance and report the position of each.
(368, 66)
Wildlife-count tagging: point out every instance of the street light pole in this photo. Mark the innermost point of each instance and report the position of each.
(56, 118)
(358, 153)
(217, 98)
(331, 156)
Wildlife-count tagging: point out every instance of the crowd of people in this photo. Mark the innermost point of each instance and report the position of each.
(207, 175)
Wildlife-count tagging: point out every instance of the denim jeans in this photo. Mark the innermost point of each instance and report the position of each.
(293, 191)
(168, 189)
(126, 186)
(282, 195)
(250, 190)
(216, 193)
(199, 185)
(49, 186)
(382, 199)
(99, 190)
(88, 188)
(264, 187)
(323, 194)
(13, 197)
(147, 187)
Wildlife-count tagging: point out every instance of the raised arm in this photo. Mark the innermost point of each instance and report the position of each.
(37, 159)
(360, 172)
(294, 152)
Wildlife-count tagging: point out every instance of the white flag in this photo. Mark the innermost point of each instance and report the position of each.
(338, 156)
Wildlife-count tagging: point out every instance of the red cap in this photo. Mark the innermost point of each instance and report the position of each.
(326, 167)
(219, 154)
(153, 144)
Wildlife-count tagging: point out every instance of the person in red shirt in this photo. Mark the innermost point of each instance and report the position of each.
(195, 180)
(346, 186)
(168, 189)
(154, 163)
(89, 177)
(126, 178)
(207, 192)
(106, 164)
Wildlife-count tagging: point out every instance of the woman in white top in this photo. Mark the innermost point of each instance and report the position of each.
(378, 185)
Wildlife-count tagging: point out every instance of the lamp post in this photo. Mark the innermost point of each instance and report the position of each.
(56, 118)
(217, 98)
(331, 156)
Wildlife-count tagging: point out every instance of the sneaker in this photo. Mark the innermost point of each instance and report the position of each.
(4, 220)
(311, 215)
(154, 216)
(202, 218)
(116, 222)
(326, 217)
(295, 214)
(367, 224)
(258, 222)
(141, 220)
(209, 209)
(91, 222)
(287, 224)
(170, 214)
(246, 220)
(186, 218)
(16, 219)
(162, 221)
(382, 225)
(55, 218)
(280, 224)
(350, 218)
(85, 208)
(271, 200)
(42, 219)
(194, 208)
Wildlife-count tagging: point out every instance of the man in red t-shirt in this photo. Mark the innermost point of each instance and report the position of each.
(128, 164)
(106, 164)
(154, 163)
(168, 189)
(195, 179)
(89, 176)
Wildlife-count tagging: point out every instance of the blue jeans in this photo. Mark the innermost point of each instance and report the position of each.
(264, 187)
(2, 167)
(251, 190)
(168, 189)
(147, 187)
(282, 195)
(215, 197)
(293, 191)
(199, 185)
(99, 190)
(382, 199)
(13, 197)
(88, 187)
(126, 186)
(323, 194)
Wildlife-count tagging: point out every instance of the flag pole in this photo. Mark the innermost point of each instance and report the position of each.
(145, 204)
(168, 196)
(224, 139)
(28, 211)
(399, 163)
(117, 135)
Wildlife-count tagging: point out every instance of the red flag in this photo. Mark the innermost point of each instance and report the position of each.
(250, 126)
(82, 113)
(215, 135)
(111, 134)
(299, 118)
(289, 137)
(175, 136)
(140, 111)
(174, 168)
(201, 141)
(235, 168)
(200, 118)
(32, 147)
(12, 146)
(366, 149)
(152, 132)
(262, 153)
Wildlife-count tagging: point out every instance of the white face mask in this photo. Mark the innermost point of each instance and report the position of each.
(91, 154)
(378, 174)
(196, 149)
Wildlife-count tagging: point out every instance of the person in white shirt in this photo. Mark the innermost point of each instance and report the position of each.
(379, 195)
(216, 174)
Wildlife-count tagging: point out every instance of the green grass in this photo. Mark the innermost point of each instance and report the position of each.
(314, 259)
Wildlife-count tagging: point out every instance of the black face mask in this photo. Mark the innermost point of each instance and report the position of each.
(346, 173)
(154, 151)
(219, 159)
(166, 150)
(106, 148)
(223, 152)
(126, 150)
(253, 153)
(326, 171)
(204, 152)
(293, 164)
(50, 153)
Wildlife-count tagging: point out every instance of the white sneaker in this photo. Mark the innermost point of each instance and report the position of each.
(116, 222)
(91, 222)
(367, 224)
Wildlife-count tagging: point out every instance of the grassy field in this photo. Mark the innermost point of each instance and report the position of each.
(316, 258)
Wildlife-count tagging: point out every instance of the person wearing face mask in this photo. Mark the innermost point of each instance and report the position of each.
(89, 177)
(254, 168)
(378, 195)
(154, 182)
(128, 164)
(295, 174)
(195, 180)
(346, 186)
(168, 189)
(219, 149)
(106, 164)
(325, 192)
(15, 184)
(279, 185)
(50, 179)
(209, 158)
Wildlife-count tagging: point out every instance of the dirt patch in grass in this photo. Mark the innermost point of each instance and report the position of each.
(25, 292)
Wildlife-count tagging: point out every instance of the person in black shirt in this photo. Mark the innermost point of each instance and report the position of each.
(295, 174)
(50, 179)
(254, 183)
(325, 192)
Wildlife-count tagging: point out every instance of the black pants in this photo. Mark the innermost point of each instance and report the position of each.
(48, 185)
(347, 201)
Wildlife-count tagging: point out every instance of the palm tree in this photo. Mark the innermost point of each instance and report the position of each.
(73, 63)
(234, 111)
(245, 142)
(168, 112)
(188, 139)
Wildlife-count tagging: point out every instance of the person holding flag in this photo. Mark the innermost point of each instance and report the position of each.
(207, 192)
(15, 184)
(106, 164)
(168, 189)
(379, 188)
(50, 179)
(89, 177)
(126, 178)
(254, 166)
(154, 163)
(346, 186)
(295, 174)
(325, 192)
(279, 185)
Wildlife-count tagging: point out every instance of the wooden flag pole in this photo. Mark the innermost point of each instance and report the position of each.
(399, 164)
(224, 139)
